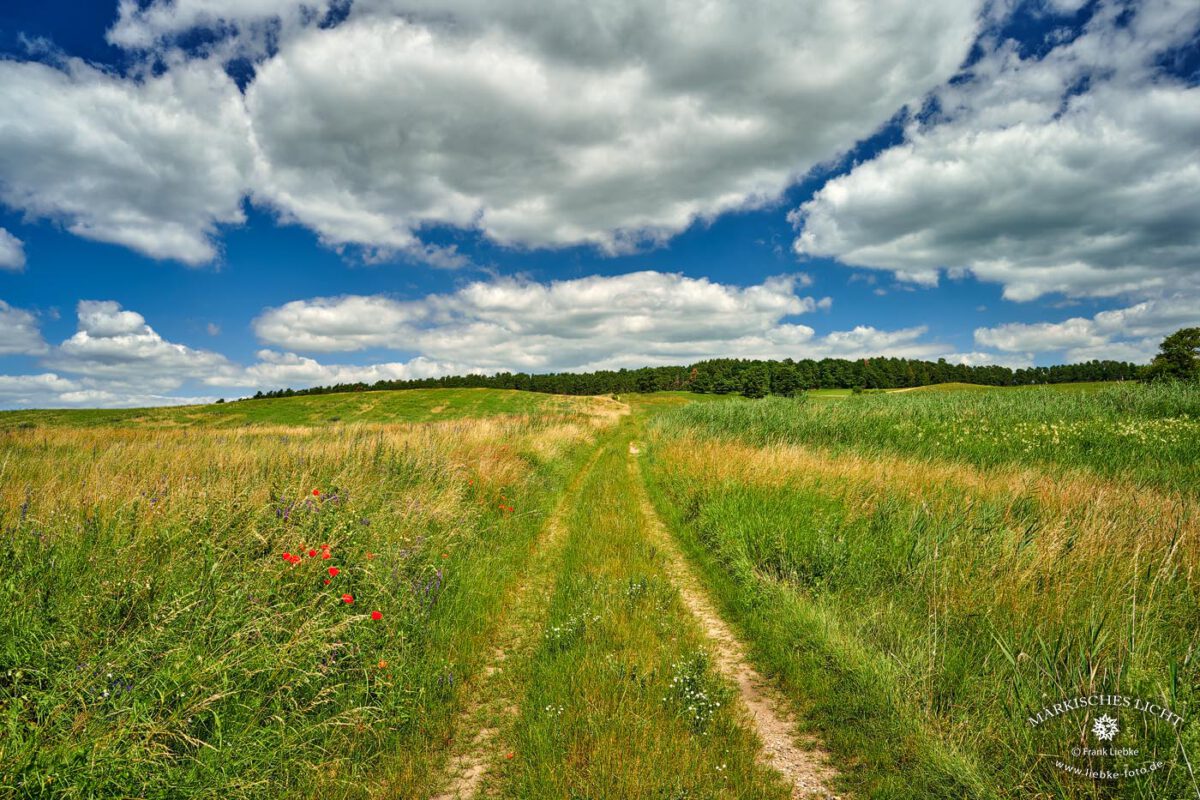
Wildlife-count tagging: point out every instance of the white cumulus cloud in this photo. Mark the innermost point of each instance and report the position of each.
(598, 322)
(573, 123)
(1126, 334)
(1074, 173)
(19, 332)
(154, 163)
(12, 252)
(116, 346)
(614, 125)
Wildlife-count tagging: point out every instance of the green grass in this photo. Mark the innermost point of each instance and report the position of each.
(1113, 430)
(920, 596)
(918, 571)
(410, 405)
(155, 643)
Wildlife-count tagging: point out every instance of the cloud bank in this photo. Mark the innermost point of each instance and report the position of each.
(115, 358)
(550, 126)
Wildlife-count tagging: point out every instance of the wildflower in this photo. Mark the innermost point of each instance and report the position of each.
(509, 755)
(327, 581)
(333, 572)
(312, 553)
(325, 555)
(445, 555)
(316, 492)
(287, 557)
(370, 556)
(376, 615)
(348, 599)
(382, 664)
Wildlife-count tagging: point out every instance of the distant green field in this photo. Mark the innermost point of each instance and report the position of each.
(410, 405)
(407, 405)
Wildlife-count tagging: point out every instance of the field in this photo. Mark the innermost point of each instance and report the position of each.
(477, 593)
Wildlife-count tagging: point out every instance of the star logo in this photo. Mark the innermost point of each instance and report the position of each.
(1105, 728)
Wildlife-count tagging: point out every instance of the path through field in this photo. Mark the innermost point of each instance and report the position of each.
(492, 702)
(610, 666)
(806, 768)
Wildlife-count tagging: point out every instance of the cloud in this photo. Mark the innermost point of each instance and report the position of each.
(34, 390)
(598, 322)
(981, 359)
(564, 124)
(252, 23)
(19, 332)
(49, 390)
(1072, 173)
(508, 323)
(154, 163)
(117, 347)
(276, 370)
(116, 358)
(1125, 334)
(12, 252)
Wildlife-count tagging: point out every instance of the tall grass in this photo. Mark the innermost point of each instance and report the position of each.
(925, 596)
(156, 643)
(1142, 433)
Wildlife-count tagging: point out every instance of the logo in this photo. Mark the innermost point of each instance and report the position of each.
(1109, 737)
(1105, 728)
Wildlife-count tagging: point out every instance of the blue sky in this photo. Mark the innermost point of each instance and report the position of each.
(202, 198)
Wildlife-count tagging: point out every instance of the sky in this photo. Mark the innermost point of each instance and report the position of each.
(205, 198)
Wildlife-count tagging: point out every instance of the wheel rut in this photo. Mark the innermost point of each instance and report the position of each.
(491, 703)
(797, 757)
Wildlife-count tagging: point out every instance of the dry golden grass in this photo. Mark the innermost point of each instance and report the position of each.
(1103, 519)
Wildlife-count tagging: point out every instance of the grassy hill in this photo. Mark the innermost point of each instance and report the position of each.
(410, 405)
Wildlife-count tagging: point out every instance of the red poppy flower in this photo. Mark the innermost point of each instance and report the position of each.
(376, 615)
(370, 556)
(327, 581)
(509, 756)
(325, 554)
(333, 572)
(348, 599)
(445, 555)
(287, 556)
(316, 492)
(312, 553)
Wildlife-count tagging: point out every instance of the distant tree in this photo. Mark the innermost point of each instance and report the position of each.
(1178, 357)
(756, 381)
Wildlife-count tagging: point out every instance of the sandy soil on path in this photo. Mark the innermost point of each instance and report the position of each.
(806, 768)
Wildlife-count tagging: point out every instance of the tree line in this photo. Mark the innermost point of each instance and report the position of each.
(756, 378)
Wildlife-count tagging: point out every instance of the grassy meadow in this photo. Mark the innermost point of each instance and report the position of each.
(924, 570)
(471, 593)
(189, 610)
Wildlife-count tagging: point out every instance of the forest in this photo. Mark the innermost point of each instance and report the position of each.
(756, 378)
